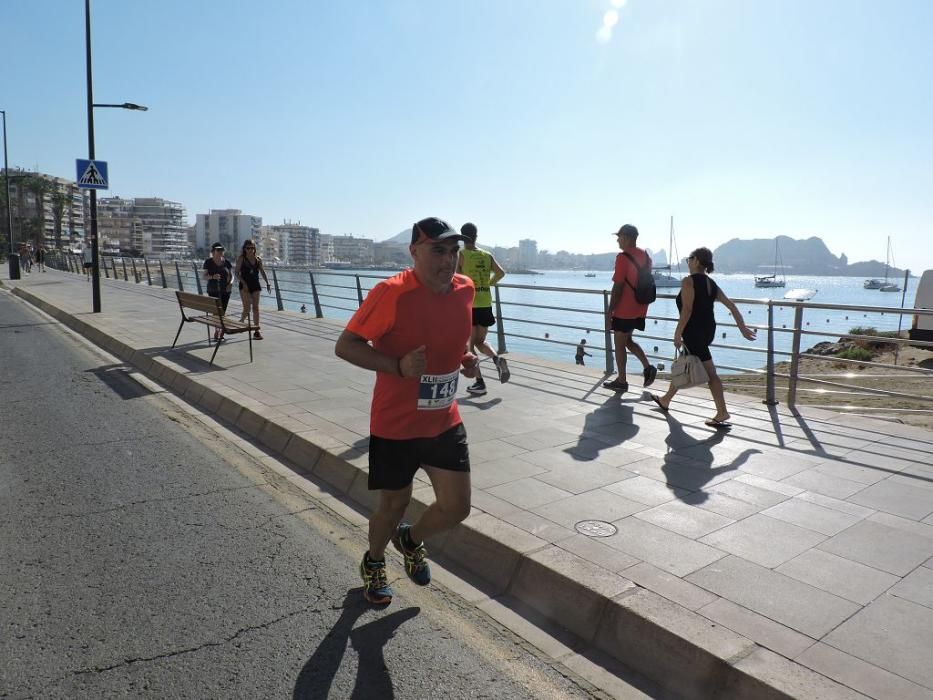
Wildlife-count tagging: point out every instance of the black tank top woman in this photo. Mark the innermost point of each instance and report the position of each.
(701, 327)
(249, 274)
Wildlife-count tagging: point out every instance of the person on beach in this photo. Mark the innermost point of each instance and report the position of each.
(581, 351)
(218, 272)
(481, 267)
(696, 329)
(88, 256)
(625, 313)
(413, 331)
(248, 268)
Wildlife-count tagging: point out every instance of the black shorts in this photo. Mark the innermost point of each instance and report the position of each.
(88, 265)
(483, 317)
(698, 348)
(627, 325)
(393, 463)
(224, 298)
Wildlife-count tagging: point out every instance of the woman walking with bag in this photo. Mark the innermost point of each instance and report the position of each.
(248, 268)
(696, 329)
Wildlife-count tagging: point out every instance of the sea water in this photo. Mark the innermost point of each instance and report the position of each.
(545, 335)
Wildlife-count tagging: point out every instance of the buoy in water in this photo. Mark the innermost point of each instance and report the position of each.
(655, 348)
(547, 335)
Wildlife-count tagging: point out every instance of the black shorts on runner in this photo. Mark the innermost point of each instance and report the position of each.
(483, 317)
(627, 325)
(393, 463)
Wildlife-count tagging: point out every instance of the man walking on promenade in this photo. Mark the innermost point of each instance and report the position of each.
(625, 313)
(481, 267)
(413, 330)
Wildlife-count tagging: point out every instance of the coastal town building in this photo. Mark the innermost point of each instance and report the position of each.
(147, 225)
(294, 244)
(229, 226)
(47, 210)
(352, 250)
(527, 253)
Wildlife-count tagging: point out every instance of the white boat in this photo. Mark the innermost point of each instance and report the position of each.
(590, 274)
(888, 286)
(769, 281)
(873, 284)
(801, 294)
(662, 278)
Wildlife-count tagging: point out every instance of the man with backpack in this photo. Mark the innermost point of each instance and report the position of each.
(633, 289)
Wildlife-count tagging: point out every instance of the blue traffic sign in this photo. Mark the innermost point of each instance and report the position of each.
(92, 174)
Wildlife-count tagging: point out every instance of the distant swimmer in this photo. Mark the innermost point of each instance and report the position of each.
(481, 267)
(696, 329)
(413, 330)
(581, 351)
(626, 313)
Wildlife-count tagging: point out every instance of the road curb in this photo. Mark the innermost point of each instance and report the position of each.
(667, 643)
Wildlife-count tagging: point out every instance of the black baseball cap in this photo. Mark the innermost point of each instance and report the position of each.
(627, 230)
(216, 246)
(434, 229)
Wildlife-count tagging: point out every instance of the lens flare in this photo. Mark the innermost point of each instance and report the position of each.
(610, 19)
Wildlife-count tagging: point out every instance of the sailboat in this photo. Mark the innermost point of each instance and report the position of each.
(888, 286)
(662, 279)
(772, 279)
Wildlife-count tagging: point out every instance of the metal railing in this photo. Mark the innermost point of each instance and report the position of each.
(520, 320)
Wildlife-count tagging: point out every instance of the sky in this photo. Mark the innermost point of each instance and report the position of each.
(557, 120)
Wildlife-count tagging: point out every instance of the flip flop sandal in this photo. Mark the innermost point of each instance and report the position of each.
(658, 402)
(718, 424)
(616, 385)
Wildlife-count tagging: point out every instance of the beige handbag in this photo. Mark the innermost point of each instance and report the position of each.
(687, 370)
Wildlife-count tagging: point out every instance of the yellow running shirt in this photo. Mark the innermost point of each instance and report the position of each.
(477, 265)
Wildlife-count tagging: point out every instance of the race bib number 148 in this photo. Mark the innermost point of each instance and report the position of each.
(437, 391)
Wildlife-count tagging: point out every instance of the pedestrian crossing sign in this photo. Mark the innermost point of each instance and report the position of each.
(92, 174)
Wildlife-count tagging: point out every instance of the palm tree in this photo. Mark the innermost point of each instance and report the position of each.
(59, 201)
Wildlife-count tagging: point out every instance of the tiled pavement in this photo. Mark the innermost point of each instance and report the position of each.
(810, 534)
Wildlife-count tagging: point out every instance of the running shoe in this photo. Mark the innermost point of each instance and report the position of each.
(416, 566)
(502, 367)
(650, 373)
(477, 389)
(257, 335)
(376, 588)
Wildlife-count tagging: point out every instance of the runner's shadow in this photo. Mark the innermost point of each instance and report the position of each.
(372, 677)
(608, 426)
(481, 405)
(688, 464)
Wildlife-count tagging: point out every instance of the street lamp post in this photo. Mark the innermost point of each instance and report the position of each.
(95, 245)
(14, 263)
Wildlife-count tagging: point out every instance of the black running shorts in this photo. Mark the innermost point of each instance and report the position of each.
(627, 325)
(393, 463)
(483, 317)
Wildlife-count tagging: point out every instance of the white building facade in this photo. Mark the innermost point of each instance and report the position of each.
(228, 226)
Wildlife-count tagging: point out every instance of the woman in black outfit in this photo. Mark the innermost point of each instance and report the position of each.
(248, 268)
(696, 328)
(219, 275)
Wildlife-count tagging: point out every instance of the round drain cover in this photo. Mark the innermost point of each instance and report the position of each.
(596, 528)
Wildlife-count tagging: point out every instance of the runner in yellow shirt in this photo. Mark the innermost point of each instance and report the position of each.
(480, 266)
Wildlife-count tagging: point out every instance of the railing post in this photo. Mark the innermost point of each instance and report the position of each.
(135, 271)
(162, 272)
(359, 290)
(610, 361)
(181, 287)
(148, 274)
(125, 274)
(317, 302)
(278, 293)
(113, 264)
(500, 324)
(795, 358)
(197, 277)
(769, 379)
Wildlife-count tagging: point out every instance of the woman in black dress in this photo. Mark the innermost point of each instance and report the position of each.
(218, 272)
(248, 268)
(696, 328)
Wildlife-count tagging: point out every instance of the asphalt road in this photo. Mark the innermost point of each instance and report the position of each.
(144, 555)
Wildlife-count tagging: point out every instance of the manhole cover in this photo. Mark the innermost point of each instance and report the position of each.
(596, 528)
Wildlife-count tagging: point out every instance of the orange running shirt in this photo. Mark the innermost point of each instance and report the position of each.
(627, 306)
(400, 315)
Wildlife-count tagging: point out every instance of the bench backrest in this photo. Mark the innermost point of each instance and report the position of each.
(208, 305)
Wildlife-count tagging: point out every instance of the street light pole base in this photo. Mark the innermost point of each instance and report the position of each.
(14, 266)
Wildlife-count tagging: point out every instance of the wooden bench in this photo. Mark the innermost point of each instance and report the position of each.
(212, 316)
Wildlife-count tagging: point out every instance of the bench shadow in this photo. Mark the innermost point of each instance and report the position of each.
(688, 463)
(118, 380)
(180, 355)
(372, 677)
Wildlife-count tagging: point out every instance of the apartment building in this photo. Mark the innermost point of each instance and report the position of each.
(296, 244)
(229, 226)
(47, 210)
(144, 225)
(356, 251)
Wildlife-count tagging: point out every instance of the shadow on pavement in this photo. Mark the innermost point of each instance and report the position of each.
(117, 378)
(372, 677)
(610, 425)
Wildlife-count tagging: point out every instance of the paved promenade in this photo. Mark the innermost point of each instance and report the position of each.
(792, 556)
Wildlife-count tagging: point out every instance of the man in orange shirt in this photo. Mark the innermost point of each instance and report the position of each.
(413, 330)
(625, 312)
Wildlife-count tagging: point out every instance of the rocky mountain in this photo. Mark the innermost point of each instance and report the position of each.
(808, 256)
